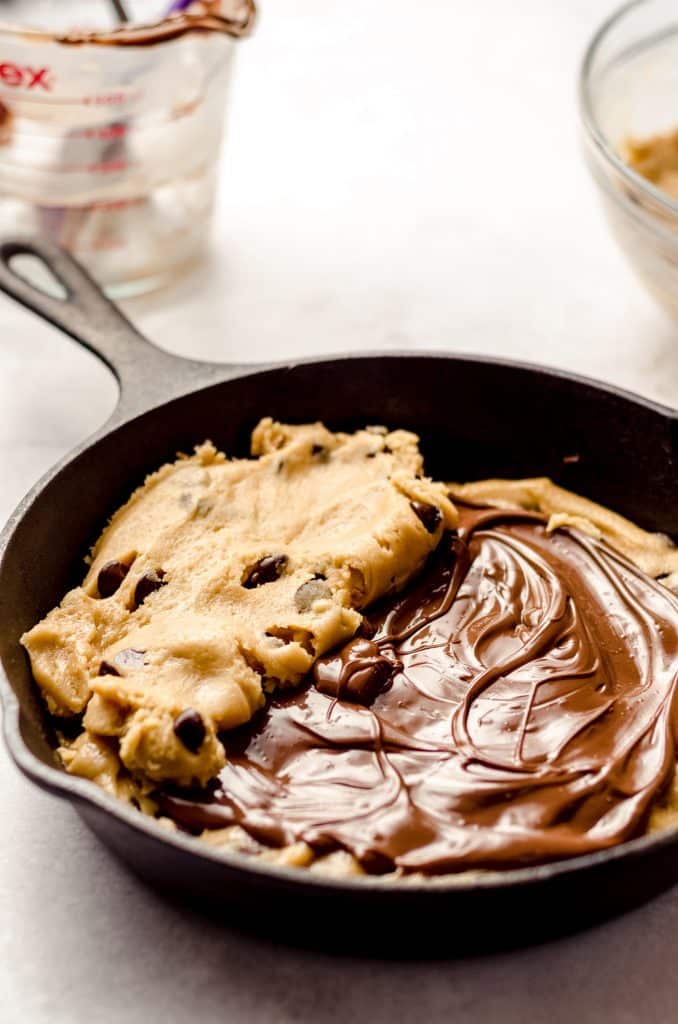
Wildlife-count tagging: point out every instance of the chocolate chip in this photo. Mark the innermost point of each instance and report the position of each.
(358, 673)
(309, 593)
(430, 515)
(266, 570)
(365, 685)
(319, 452)
(190, 730)
(449, 543)
(152, 580)
(111, 575)
(106, 669)
(129, 658)
(375, 863)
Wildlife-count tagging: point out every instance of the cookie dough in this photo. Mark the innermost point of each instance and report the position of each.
(656, 159)
(222, 579)
(654, 553)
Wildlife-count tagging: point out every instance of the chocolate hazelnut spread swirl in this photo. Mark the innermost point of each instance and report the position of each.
(515, 705)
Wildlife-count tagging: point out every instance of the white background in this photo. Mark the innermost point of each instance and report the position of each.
(397, 174)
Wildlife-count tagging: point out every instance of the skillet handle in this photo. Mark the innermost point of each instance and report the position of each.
(146, 375)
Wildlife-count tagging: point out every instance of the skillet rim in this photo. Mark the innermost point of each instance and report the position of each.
(58, 782)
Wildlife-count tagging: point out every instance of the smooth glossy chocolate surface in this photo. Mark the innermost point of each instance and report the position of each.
(529, 714)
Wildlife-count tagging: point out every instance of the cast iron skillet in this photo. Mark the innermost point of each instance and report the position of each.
(476, 418)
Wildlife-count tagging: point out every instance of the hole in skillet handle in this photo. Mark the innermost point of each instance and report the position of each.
(48, 281)
(35, 272)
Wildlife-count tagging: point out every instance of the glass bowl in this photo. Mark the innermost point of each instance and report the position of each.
(628, 89)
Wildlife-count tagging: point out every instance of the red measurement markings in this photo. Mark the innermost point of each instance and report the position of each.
(107, 131)
(105, 100)
(103, 167)
(25, 77)
(117, 204)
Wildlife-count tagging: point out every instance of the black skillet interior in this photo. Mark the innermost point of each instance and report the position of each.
(476, 418)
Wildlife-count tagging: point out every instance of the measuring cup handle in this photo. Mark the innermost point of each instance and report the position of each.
(146, 374)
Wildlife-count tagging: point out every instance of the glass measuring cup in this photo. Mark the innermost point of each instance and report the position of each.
(110, 135)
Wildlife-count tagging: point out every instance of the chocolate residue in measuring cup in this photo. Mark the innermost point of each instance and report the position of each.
(229, 17)
(5, 124)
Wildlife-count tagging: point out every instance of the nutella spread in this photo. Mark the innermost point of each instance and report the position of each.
(515, 705)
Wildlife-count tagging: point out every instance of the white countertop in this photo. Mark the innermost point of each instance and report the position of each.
(391, 181)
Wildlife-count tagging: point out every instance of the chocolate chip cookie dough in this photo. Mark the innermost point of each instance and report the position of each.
(320, 658)
(221, 580)
(656, 159)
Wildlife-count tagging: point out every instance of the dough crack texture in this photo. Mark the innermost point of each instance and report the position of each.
(221, 580)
